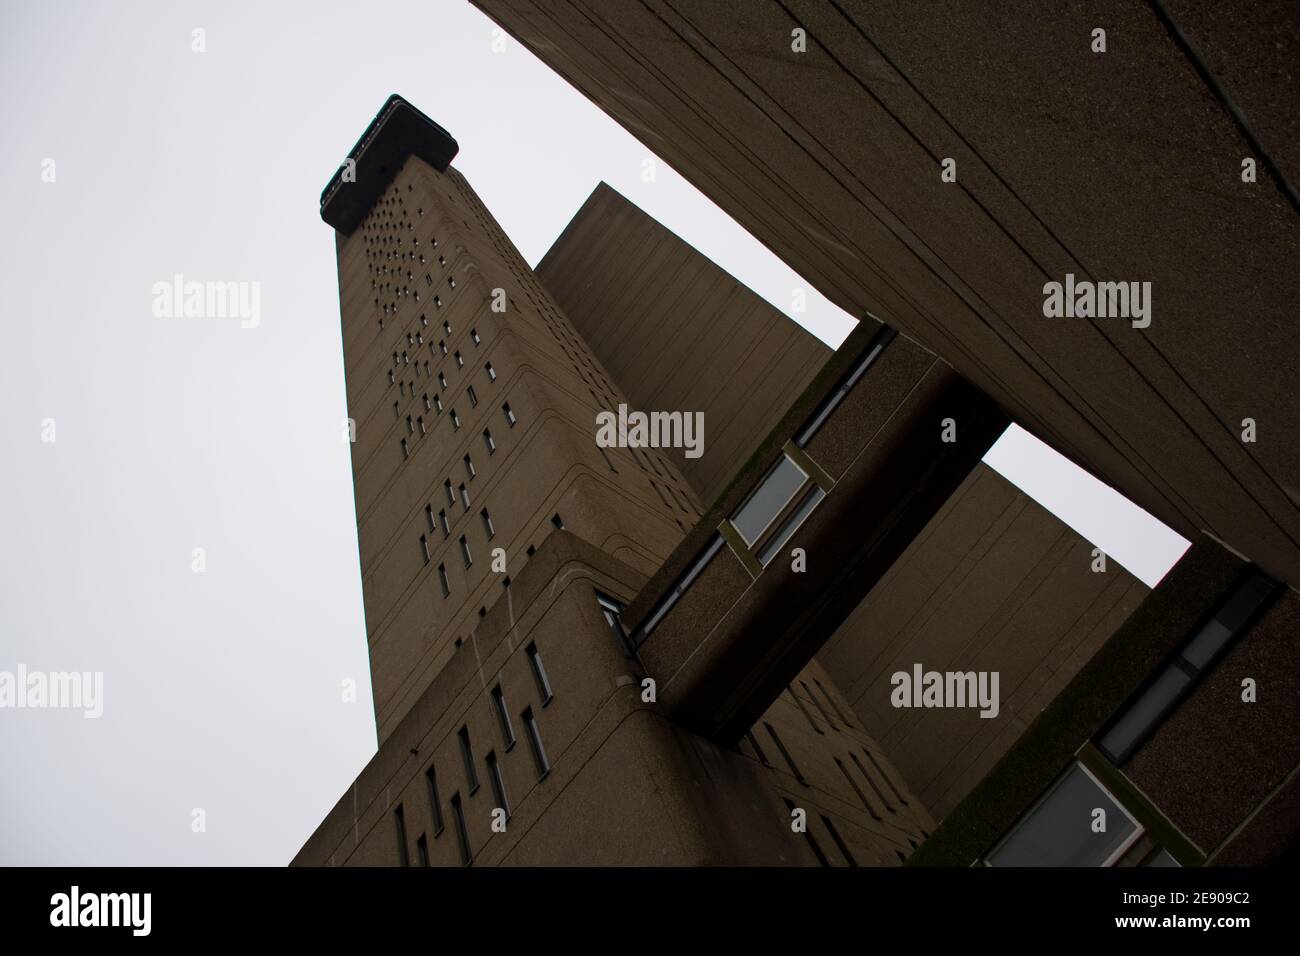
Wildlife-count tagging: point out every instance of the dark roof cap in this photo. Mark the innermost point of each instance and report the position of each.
(397, 131)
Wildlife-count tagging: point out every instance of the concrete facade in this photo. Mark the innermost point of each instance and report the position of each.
(515, 723)
(676, 332)
(994, 583)
(1122, 165)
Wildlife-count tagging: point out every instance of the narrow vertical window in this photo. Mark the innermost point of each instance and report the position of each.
(488, 528)
(794, 768)
(420, 421)
(428, 516)
(460, 362)
(464, 497)
(437, 403)
(422, 850)
(856, 789)
(492, 373)
(424, 549)
(489, 441)
(812, 841)
(539, 674)
(399, 818)
(510, 416)
(451, 495)
(469, 468)
(498, 784)
(442, 580)
(803, 710)
(464, 551)
(462, 834)
(435, 804)
(473, 334)
(406, 452)
(503, 715)
(467, 755)
(558, 522)
(535, 743)
(455, 420)
(472, 395)
(839, 842)
(822, 710)
(446, 525)
(871, 782)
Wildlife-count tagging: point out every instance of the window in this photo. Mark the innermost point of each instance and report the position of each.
(473, 396)
(399, 818)
(444, 523)
(467, 755)
(420, 421)
(435, 805)
(437, 403)
(794, 768)
(510, 416)
(464, 551)
(406, 452)
(611, 610)
(871, 782)
(684, 582)
(539, 674)
(464, 497)
(767, 501)
(469, 468)
(839, 842)
(428, 516)
(455, 421)
(491, 372)
(442, 347)
(498, 784)
(535, 743)
(488, 529)
(790, 525)
(428, 406)
(451, 282)
(451, 495)
(807, 835)
(487, 440)
(818, 704)
(804, 710)
(1139, 719)
(1058, 830)
(883, 338)
(558, 522)
(462, 834)
(858, 790)
(503, 715)
(473, 334)
(442, 580)
(424, 549)
(442, 380)
(422, 850)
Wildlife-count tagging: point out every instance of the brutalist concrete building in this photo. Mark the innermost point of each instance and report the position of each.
(624, 655)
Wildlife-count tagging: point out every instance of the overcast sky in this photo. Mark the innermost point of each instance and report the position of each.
(222, 688)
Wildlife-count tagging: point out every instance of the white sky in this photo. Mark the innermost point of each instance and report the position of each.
(222, 689)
